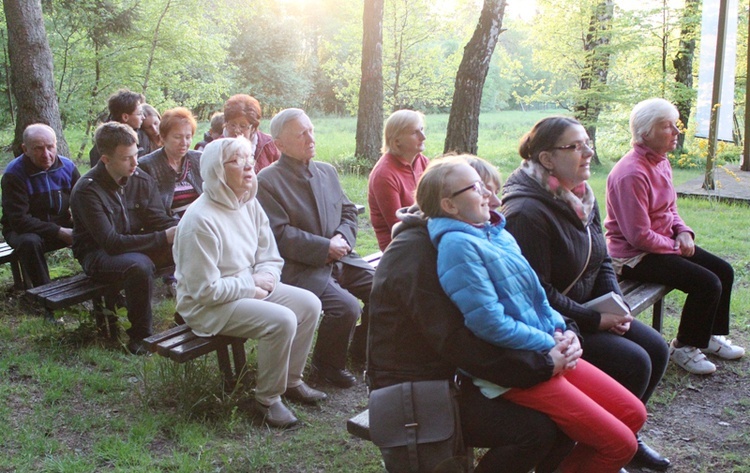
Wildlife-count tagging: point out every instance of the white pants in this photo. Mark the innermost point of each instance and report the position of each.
(284, 324)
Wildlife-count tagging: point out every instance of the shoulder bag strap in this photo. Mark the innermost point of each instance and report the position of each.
(410, 425)
(585, 265)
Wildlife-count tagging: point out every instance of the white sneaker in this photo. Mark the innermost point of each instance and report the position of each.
(691, 359)
(722, 347)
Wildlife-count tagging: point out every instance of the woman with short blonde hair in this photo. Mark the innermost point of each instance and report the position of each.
(394, 178)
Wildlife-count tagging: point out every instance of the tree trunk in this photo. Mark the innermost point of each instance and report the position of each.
(31, 71)
(370, 110)
(154, 42)
(595, 70)
(683, 64)
(463, 122)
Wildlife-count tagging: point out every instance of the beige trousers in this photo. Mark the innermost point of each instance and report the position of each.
(284, 324)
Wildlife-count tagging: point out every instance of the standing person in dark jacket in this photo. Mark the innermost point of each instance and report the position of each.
(417, 334)
(551, 210)
(122, 231)
(36, 190)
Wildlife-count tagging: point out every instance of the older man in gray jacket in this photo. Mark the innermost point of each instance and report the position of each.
(315, 226)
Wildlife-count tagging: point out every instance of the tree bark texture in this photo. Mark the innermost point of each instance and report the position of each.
(370, 109)
(683, 63)
(31, 75)
(463, 122)
(595, 70)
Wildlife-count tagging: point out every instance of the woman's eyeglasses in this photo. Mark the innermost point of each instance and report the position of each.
(578, 145)
(235, 127)
(243, 161)
(478, 187)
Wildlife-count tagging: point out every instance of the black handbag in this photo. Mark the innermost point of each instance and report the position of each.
(417, 427)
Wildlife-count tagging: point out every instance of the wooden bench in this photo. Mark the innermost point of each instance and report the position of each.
(71, 290)
(181, 345)
(642, 295)
(6, 256)
(639, 296)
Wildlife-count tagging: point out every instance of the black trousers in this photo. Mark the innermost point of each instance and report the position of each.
(705, 278)
(518, 438)
(637, 360)
(30, 248)
(341, 309)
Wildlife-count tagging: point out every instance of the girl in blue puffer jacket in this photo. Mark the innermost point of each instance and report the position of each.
(483, 271)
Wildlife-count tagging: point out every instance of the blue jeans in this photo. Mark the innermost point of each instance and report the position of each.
(136, 272)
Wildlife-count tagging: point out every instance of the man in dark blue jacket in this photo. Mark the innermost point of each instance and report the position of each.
(122, 231)
(36, 189)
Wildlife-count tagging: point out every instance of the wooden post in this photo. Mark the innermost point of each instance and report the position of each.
(713, 130)
(746, 143)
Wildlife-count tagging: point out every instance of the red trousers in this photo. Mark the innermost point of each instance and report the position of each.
(592, 409)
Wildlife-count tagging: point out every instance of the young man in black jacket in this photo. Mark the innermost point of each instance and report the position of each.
(121, 230)
(416, 333)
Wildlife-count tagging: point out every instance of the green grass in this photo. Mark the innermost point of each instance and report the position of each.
(72, 402)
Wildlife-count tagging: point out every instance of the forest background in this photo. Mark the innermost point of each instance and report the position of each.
(593, 58)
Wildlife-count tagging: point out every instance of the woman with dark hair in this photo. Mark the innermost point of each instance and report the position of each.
(242, 116)
(175, 166)
(650, 242)
(553, 214)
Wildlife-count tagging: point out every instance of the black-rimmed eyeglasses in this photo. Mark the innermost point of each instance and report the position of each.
(478, 187)
(578, 145)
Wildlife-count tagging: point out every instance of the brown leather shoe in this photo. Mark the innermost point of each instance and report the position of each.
(305, 394)
(276, 415)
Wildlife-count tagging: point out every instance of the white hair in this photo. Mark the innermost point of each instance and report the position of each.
(647, 114)
(282, 118)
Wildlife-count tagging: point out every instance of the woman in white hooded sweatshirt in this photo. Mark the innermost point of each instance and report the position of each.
(228, 270)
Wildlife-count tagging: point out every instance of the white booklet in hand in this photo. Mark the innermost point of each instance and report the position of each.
(609, 303)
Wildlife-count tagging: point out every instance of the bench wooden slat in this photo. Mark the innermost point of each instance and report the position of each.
(359, 425)
(7, 256)
(644, 296)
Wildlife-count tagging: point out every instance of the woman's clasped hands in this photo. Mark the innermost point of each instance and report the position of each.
(566, 352)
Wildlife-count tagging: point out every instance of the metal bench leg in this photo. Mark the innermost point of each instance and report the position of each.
(240, 360)
(222, 354)
(656, 321)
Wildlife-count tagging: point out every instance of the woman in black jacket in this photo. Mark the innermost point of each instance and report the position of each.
(416, 334)
(552, 212)
(175, 166)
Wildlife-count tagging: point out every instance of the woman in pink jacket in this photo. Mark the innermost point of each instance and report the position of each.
(648, 241)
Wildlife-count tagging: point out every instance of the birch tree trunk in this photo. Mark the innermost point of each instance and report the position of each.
(463, 122)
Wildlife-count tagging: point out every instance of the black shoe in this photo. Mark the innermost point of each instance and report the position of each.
(136, 347)
(649, 458)
(341, 378)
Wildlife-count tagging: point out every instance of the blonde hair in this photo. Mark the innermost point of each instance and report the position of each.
(433, 187)
(487, 172)
(396, 124)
